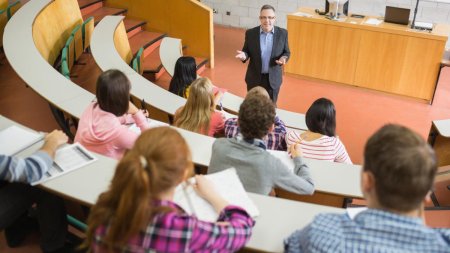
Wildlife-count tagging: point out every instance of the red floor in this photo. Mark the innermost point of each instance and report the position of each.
(360, 111)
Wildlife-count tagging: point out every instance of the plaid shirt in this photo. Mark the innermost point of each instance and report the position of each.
(177, 231)
(274, 140)
(372, 231)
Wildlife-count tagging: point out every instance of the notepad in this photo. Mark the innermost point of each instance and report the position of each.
(227, 184)
(67, 159)
(15, 139)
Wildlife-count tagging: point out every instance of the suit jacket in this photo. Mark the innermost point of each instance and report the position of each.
(252, 49)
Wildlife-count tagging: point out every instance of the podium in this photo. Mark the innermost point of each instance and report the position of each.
(385, 57)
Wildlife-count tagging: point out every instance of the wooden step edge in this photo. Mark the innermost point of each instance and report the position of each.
(90, 8)
(203, 63)
(119, 13)
(136, 26)
(90, 4)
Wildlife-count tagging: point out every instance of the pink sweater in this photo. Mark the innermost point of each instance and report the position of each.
(104, 133)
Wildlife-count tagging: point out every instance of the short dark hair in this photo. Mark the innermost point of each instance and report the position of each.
(267, 7)
(404, 167)
(185, 73)
(113, 92)
(256, 116)
(321, 117)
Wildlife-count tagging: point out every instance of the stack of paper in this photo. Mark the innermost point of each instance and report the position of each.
(67, 159)
(227, 184)
(15, 139)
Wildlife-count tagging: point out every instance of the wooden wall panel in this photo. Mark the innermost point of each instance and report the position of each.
(189, 20)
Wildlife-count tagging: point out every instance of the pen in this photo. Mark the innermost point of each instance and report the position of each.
(143, 104)
(144, 108)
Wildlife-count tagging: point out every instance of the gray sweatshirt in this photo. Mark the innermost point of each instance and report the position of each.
(257, 169)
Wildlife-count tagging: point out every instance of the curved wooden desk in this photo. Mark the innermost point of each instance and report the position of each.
(28, 63)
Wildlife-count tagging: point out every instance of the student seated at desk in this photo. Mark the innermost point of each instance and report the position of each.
(397, 175)
(274, 139)
(137, 213)
(17, 197)
(258, 170)
(185, 73)
(199, 114)
(103, 125)
(320, 141)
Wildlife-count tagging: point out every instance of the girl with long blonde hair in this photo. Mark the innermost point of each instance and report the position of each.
(199, 114)
(137, 213)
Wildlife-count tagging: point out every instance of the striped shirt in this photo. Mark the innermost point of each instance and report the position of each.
(274, 140)
(373, 231)
(14, 169)
(324, 148)
(177, 231)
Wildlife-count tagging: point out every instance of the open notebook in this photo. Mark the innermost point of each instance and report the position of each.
(15, 139)
(67, 159)
(152, 123)
(227, 184)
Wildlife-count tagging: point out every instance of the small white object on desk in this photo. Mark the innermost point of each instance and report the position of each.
(15, 139)
(373, 21)
(67, 159)
(152, 124)
(302, 14)
(227, 184)
(353, 211)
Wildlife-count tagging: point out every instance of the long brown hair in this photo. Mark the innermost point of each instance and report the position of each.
(159, 160)
(196, 114)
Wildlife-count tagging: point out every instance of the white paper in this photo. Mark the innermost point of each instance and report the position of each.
(227, 184)
(14, 139)
(302, 14)
(67, 159)
(284, 157)
(373, 21)
(152, 124)
(353, 211)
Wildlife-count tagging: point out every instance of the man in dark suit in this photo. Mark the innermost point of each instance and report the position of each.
(267, 48)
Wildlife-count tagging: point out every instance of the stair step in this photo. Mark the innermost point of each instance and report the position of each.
(201, 62)
(148, 40)
(152, 63)
(86, 3)
(133, 26)
(99, 13)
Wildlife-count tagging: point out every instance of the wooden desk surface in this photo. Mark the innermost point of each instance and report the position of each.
(385, 57)
(440, 31)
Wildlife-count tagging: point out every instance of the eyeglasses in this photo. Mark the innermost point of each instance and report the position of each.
(267, 17)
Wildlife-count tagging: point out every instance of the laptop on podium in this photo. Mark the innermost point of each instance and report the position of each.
(396, 15)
